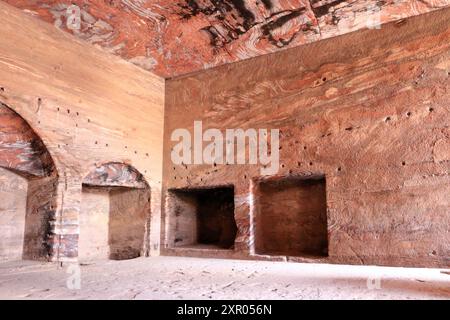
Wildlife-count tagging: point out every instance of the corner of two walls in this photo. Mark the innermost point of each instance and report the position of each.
(344, 118)
(89, 108)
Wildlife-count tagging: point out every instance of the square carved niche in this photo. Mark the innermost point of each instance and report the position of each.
(291, 217)
(202, 218)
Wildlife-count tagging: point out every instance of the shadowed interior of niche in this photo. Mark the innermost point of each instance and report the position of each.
(112, 222)
(291, 217)
(115, 213)
(204, 218)
(28, 188)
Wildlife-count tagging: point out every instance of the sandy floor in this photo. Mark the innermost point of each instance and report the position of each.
(189, 278)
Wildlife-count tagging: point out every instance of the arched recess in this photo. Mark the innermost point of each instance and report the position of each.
(115, 213)
(28, 183)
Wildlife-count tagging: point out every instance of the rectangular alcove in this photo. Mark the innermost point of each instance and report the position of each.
(112, 222)
(203, 218)
(291, 217)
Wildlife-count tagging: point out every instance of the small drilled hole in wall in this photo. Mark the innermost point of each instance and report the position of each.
(204, 217)
(408, 114)
(431, 109)
(310, 163)
(403, 163)
(96, 142)
(2, 89)
(387, 119)
(339, 169)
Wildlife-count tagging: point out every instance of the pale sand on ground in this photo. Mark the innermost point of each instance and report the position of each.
(192, 278)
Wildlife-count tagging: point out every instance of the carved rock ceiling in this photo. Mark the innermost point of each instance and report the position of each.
(174, 37)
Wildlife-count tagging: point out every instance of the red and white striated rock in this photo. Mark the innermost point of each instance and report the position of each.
(173, 37)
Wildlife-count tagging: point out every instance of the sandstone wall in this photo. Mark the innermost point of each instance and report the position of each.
(368, 111)
(87, 107)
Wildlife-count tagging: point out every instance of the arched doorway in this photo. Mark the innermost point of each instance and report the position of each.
(28, 182)
(115, 213)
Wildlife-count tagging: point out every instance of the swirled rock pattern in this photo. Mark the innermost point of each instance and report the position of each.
(21, 149)
(173, 37)
(115, 174)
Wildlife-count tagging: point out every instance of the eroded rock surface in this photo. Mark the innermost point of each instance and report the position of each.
(174, 37)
